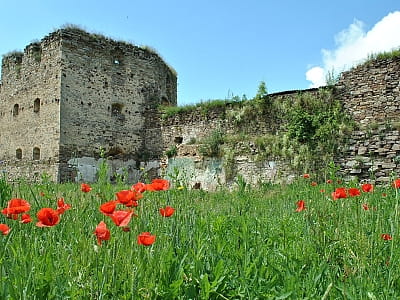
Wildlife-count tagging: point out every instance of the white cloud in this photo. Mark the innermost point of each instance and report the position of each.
(316, 76)
(354, 44)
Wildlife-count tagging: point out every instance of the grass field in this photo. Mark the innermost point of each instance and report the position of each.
(252, 243)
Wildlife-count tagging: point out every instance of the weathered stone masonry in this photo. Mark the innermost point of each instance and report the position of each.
(370, 93)
(64, 99)
(72, 95)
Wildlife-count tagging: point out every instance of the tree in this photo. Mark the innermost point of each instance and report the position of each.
(262, 91)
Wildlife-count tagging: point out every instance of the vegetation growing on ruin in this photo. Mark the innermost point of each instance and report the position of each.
(314, 128)
(17, 54)
(211, 144)
(99, 36)
(395, 53)
(305, 131)
(204, 107)
(232, 102)
(385, 55)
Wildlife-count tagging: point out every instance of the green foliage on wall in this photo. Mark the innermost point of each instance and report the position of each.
(383, 55)
(303, 130)
(314, 128)
(313, 119)
(172, 151)
(203, 107)
(211, 145)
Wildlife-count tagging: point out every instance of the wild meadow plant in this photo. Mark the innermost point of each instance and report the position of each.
(306, 240)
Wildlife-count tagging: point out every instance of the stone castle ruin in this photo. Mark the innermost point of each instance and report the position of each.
(75, 97)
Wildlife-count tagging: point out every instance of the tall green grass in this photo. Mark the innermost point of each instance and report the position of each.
(245, 244)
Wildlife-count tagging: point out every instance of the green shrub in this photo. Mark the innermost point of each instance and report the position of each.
(211, 145)
(171, 152)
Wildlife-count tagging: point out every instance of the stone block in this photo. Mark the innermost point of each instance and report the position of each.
(362, 150)
(388, 165)
(383, 179)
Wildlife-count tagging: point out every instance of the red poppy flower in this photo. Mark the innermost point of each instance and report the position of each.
(158, 185)
(25, 218)
(85, 188)
(301, 205)
(108, 207)
(354, 192)
(367, 187)
(128, 197)
(167, 211)
(16, 206)
(386, 237)
(365, 206)
(306, 175)
(121, 218)
(102, 233)
(146, 239)
(384, 194)
(47, 217)
(396, 183)
(339, 193)
(62, 206)
(322, 190)
(139, 187)
(4, 229)
(314, 183)
(329, 181)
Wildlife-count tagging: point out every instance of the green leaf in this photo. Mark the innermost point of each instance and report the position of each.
(205, 286)
(284, 296)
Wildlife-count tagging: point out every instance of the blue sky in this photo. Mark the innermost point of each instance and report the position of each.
(221, 48)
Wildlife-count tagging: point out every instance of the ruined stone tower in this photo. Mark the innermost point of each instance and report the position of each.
(73, 95)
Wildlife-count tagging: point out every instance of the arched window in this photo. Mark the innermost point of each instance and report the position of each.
(36, 153)
(15, 110)
(18, 153)
(36, 105)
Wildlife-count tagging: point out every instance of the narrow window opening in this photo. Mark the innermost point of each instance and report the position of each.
(116, 109)
(178, 140)
(36, 105)
(117, 61)
(15, 110)
(36, 153)
(18, 153)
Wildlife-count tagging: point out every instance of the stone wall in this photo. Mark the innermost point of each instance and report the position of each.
(75, 96)
(372, 154)
(187, 131)
(29, 110)
(108, 89)
(370, 94)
